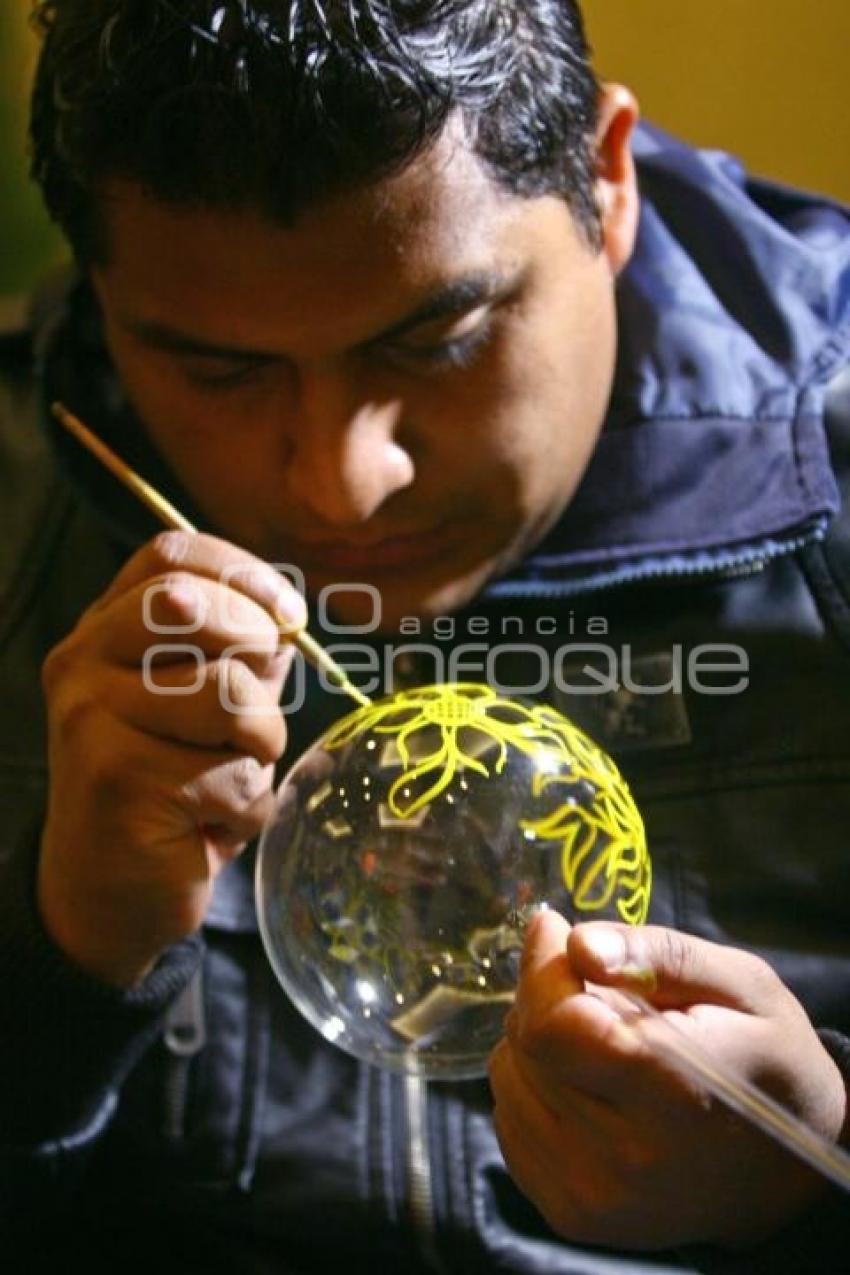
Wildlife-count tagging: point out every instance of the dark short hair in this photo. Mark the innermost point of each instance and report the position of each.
(276, 104)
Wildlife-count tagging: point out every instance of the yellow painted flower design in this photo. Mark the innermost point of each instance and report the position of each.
(577, 796)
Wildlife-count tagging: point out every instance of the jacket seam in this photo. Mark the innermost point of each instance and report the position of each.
(729, 781)
(827, 591)
(835, 349)
(25, 583)
(73, 1142)
(800, 414)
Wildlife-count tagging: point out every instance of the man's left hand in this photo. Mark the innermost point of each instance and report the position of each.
(610, 1142)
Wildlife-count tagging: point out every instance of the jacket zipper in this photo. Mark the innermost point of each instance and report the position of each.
(184, 1036)
(419, 1182)
(740, 566)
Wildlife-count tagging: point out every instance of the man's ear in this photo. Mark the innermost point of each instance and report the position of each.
(616, 182)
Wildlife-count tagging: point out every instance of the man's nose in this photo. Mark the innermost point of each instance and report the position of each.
(345, 457)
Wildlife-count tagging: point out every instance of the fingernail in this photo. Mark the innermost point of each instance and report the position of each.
(645, 978)
(290, 611)
(608, 946)
(271, 590)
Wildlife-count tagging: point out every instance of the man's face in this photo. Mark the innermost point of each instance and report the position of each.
(402, 389)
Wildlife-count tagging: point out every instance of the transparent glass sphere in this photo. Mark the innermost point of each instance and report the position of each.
(411, 845)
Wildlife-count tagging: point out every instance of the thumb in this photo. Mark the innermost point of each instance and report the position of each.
(668, 967)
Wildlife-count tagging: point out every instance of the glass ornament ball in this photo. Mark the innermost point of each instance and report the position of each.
(412, 843)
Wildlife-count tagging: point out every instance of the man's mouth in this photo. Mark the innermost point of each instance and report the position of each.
(325, 557)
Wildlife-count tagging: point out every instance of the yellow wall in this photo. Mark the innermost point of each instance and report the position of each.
(26, 240)
(769, 79)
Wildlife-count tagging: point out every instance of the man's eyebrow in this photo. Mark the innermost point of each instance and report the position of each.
(161, 336)
(457, 298)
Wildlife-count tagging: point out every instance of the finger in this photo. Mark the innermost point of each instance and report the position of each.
(187, 789)
(156, 792)
(574, 1090)
(672, 969)
(516, 1106)
(167, 616)
(233, 800)
(218, 560)
(527, 1134)
(219, 705)
(581, 1047)
(567, 1038)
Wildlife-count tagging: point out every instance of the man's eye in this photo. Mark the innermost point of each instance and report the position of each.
(459, 353)
(457, 349)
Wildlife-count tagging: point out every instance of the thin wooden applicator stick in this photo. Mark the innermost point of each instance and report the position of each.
(171, 517)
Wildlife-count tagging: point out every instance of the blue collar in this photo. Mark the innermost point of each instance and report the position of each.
(734, 314)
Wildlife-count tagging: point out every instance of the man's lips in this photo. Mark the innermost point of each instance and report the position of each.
(393, 552)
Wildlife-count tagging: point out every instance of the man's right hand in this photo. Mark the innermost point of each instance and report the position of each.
(153, 793)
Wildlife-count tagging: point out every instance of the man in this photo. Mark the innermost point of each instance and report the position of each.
(352, 282)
